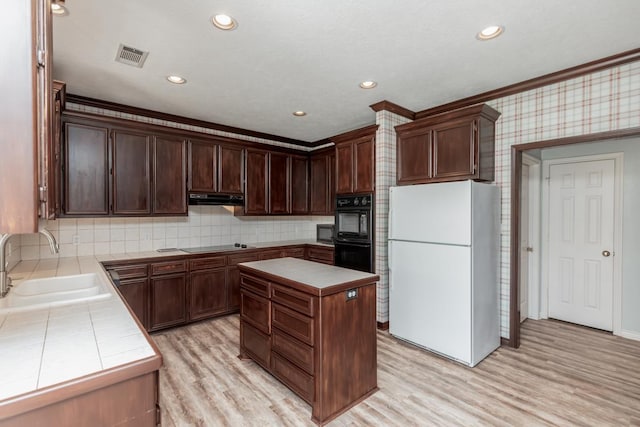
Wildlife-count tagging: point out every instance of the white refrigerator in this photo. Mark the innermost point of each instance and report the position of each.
(443, 268)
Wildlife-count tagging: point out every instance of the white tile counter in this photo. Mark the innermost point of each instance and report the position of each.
(42, 347)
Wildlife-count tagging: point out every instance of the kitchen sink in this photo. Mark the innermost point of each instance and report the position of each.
(47, 292)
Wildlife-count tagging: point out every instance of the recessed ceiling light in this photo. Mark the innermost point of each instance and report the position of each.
(224, 22)
(491, 32)
(299, 113)
(59, 9)
(177, 80)
(369, 84)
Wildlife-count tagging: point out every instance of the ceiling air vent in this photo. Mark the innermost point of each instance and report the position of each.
(131, 56)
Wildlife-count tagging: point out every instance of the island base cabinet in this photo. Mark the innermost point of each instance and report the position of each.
(319, 342)
(130, 403)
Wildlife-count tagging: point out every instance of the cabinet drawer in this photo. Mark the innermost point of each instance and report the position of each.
(295, 324)
(243, 257)
(258, 286)
(255, 310)
(295, 378)
(294, 252)
(168, 267)
(130, 271)
(207, 263)
(299, 301)
(255, 344)
(320, 255)
(271, 254)
(297, 352)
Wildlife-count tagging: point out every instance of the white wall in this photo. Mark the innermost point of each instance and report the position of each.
(630, 223)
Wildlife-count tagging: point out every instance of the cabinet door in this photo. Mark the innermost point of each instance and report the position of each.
(363, 166)
(168, 300)
(256, 185)
(208, 293)
(320, 174)
(230, 170)
(86, 170)
(131, 183)
(299, 185)
(203, 170)
(233, 278)
(279, 169)
(454, 150)
(169, 176)
(331, 182)
(344, 168)
(414, 157)
(136, 293)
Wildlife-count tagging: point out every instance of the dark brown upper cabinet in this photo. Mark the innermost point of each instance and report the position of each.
(131, 173)
(448, 147)
(257, 186)
(169, 176)
(321, 186)
(120, 171)
(279, 184)
(355, 171)
(215, 168)
(85, 170)
(299, 185)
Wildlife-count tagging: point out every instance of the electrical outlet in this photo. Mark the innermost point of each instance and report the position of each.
(352, 294)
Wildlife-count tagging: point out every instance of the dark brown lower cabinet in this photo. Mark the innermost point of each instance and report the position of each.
(208, 293)
(233, 277)
(319, 342)
(136, 293)
(319, 254)
(168, 300)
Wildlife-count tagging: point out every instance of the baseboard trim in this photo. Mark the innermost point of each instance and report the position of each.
(383, 326)
(505, 342)
(632, 335)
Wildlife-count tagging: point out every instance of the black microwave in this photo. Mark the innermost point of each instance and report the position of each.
(324, 233)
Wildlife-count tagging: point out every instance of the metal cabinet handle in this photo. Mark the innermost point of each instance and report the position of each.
(606, 253)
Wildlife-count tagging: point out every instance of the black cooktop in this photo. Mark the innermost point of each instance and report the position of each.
(219, 248)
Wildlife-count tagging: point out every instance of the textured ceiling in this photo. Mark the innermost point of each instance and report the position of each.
(311, 55)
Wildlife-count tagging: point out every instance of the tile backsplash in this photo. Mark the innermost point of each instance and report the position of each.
(205, 226)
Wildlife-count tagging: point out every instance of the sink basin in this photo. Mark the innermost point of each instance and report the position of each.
(39, 293)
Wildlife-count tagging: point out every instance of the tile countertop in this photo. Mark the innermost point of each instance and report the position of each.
(47, 346)
(40, 348)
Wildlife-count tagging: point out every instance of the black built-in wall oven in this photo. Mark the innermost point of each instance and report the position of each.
(354, 232)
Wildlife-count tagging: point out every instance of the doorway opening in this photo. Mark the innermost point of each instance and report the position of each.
(517, 153)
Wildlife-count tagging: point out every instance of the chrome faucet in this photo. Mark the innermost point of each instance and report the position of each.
(5, 280)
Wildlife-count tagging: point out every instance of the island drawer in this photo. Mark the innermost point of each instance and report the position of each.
(255, 344)
(207, 263)
(258, 286)
(293, 323)
(255, 310)
(297, 379)
(168, 267)
(297, 352)
(296, 300)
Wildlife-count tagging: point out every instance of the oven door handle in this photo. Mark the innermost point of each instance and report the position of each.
(351, 243)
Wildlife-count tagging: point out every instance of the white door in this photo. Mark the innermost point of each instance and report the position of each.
(581, 230)
(524, 244)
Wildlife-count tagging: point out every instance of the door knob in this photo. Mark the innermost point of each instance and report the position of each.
(606, 253)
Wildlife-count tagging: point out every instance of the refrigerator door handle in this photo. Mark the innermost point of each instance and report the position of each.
(390, 223)
(390, 263)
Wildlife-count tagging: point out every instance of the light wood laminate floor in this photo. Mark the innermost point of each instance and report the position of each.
(561, 375)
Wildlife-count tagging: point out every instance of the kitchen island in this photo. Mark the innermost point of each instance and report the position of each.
(313, 327)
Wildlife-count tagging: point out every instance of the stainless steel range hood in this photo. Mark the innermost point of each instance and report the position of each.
(216, 199)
